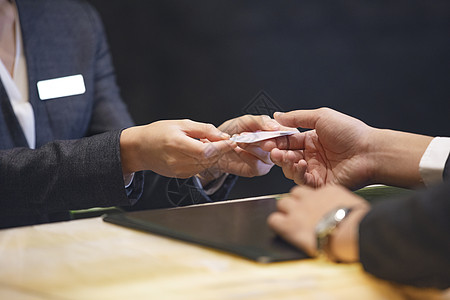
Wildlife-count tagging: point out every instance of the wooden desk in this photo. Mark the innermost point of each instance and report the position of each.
(91, 259)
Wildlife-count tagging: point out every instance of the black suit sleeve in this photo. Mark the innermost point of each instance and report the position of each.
(408, 240)
(165, 192)
(446, 174)
(62, 175)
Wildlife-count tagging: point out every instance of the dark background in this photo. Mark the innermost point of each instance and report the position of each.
(385, 62)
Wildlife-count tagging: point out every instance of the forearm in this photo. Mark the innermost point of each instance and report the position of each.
(395, 157)
(63, 175)
(406, 240)
(402, 240)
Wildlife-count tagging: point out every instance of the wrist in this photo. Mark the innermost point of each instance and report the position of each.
(129, 151)
(343, 244)
(395, 157)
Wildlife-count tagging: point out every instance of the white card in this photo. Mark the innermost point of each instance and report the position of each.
(253, 137)
(61, 87)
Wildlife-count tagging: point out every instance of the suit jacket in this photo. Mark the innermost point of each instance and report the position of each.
(76, 163)
(408, 240)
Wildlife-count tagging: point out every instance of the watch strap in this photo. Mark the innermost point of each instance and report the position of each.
(325, 228)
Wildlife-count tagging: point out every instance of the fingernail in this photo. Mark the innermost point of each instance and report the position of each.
(278, 113)
(224, 135)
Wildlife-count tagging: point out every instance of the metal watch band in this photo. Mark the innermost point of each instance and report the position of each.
(327, 226)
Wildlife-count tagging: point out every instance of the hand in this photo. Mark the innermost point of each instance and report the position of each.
(332, 153)
(300, 212)
(179, 148)
(344, 150)
(246, 160)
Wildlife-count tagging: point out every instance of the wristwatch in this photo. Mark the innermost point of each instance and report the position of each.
(326, 227)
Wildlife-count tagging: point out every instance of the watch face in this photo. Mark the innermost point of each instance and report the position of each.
(340, 214)
(330, 220)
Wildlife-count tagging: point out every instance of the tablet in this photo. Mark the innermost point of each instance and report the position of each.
(235, 226)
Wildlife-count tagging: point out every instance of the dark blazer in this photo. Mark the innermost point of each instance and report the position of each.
(76, 163)
(408, 240)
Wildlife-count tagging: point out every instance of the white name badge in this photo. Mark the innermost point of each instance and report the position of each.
(61, 87)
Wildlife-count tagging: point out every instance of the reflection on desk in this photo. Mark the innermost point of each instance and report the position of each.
(91, 259)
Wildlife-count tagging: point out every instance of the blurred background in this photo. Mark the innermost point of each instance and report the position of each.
(386, 62)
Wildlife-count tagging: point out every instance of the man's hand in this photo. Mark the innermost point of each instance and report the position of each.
(179, 148)
(300, 212)
(334, 152)
(341, 149)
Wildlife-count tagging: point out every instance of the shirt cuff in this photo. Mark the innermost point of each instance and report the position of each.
(433, 161)
(212, 187)
(128, 180)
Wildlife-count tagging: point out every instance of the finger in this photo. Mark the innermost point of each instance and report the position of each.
(277, 156)
(267, 145)
(300, 192)
(291, 142)
(256, 151)
(249, 123)
(286, 158)
(259, 123)
(288, 171)
(276, 221)
(287, 166)
(293, 156)
(203, 131)
(285, 204)
(214, 149)
(293, 168)
(205, 151)
(300, 176)
(245, 164)
(299, 118)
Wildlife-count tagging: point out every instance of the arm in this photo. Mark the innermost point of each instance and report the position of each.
(162, 192)
(402, 240)
(61, 175)
(341, 149)
(395, 157)
(298, 214)
(406, 240)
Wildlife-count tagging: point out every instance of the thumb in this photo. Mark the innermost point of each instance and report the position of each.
(298, 118)
(203, 131)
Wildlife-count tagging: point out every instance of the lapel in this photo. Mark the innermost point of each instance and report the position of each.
(29, 12)
(10, 130)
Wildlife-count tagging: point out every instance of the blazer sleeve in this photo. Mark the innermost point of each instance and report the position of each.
(446, 173)
(407, 240)
(165, 192)
(62, 175)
